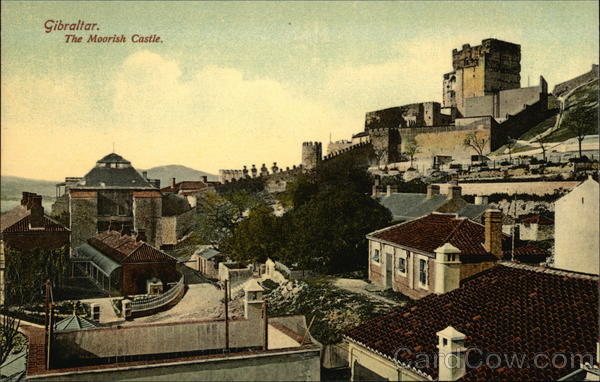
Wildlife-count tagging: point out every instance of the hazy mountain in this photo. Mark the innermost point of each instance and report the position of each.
(13, 186)
(165, 173)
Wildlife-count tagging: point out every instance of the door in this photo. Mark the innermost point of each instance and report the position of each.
(389, 267)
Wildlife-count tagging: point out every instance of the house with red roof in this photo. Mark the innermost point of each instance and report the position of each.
(26, 226)
(126, 265)
(512, 322)
(426, 255)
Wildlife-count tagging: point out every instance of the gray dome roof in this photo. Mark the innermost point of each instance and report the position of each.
(114, 158)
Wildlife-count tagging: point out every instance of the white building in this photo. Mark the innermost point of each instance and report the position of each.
(576, 229)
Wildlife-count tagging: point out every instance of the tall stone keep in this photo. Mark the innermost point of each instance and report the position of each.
(312, 153)
(485, 69)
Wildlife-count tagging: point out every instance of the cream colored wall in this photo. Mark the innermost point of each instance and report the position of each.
(382, 366)
(576, 229)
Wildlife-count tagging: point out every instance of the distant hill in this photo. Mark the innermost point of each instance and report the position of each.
(165, 173)
(11, 187)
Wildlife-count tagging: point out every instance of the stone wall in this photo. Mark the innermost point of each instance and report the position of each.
(83, 216)
(506, 102)
(565, 87)
(147, 214)
(448, 140)
(157, 339)
(276, 365)
(533, 188)
(338, 146)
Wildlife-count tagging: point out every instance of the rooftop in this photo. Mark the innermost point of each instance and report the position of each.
(126, 249)
(508, 309)
(406, 206)
(113, 171)
(434, 230)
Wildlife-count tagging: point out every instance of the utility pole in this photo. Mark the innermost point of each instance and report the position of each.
(266, 322)
(226, 316)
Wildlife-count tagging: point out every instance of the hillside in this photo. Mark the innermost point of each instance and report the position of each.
(165, 173)
(13, 186)
(582, 102)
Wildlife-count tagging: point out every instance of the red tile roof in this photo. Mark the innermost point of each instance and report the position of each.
(508, 309)
(124, 249)
(18, 220)
(537, 219)
(432, 231)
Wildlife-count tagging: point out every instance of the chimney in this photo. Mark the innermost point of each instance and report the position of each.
(205, 178)
(36, 218)
(481, 200)
(447, 268)
(145, 174)
(454, 192)
(141, 235)
(432, 190)
(173, 183)
(493, 232)
(125, 230)
(25, 198)
(253, 301)
(451, 347)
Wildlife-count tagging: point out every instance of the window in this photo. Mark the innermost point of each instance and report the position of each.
(423, 273)
(376, 256)
(401, 265)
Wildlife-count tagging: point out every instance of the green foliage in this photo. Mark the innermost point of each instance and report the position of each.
(324, 231)
(328, 233)
(219, 215)
(257, 237)
(27, 271)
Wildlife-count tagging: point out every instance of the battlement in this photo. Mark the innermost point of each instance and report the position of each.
(312, 153)
(490, 50)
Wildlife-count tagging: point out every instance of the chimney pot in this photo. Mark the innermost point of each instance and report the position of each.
(145, 174)
(451, 344)
(173, 182)
(454, 192)
(432, 190)
(493, 232)
(205, 178)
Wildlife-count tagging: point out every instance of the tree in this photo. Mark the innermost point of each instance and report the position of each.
(257, 237)
(9, 334)
(26, 272)
(328, 233)
(411, 149)
(582, 122)
(510, 145)
(218, 215)
(475, 142)
(542, 141)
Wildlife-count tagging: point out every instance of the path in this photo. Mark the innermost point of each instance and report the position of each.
(358, 286)
(107, 313)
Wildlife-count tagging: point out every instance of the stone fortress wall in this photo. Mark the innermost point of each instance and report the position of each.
(565, 87)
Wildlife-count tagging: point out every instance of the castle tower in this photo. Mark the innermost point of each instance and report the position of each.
(312, 153)
(386, 143)
(485, 69)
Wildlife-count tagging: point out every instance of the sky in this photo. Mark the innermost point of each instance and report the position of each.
(237, 83)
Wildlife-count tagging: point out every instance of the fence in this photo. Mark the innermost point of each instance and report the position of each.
(147, 303)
